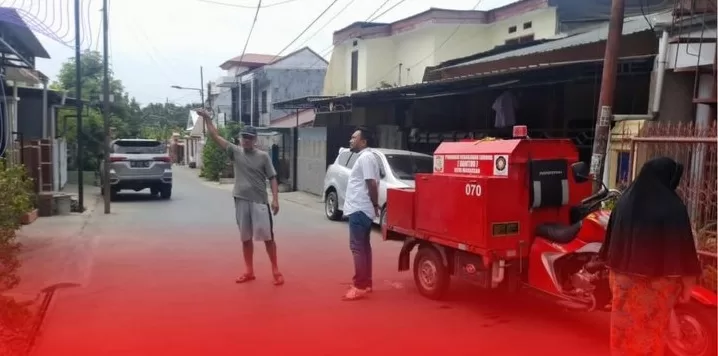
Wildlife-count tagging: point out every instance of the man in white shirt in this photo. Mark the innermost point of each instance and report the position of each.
(361, 206)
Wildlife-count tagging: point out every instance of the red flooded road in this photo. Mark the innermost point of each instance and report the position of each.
(158, 279)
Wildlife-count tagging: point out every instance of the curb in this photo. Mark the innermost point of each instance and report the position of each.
(316, 206)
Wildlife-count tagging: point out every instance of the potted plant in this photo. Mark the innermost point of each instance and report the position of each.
(15, 201)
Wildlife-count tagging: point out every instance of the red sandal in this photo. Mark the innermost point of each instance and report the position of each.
(245, 278)
(278, 279)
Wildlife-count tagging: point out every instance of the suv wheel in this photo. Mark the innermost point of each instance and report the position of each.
(166, 192)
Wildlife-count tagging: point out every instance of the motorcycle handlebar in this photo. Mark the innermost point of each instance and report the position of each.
(600, 195)
(592, 203)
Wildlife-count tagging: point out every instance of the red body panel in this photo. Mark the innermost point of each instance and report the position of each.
(593, 229)
(476, 185)
(705, 296)
(481, 183)
(401, 211)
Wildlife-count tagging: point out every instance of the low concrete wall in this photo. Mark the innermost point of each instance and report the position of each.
(88, 178)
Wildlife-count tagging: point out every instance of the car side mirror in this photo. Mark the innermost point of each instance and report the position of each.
(580, 172)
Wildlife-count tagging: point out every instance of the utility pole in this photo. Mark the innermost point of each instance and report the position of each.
(78, 107)
(201, 94)
(608, 86)
(209, 95)
(106, 107)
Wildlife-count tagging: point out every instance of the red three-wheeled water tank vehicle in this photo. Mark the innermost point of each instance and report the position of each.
(507, 214)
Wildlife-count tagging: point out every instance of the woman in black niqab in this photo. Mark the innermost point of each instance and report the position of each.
(651, 253)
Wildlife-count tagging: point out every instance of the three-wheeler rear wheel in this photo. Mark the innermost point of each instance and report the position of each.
(697, 331)
(431, 275)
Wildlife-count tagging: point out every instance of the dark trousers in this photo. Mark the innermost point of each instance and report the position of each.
(360, 245)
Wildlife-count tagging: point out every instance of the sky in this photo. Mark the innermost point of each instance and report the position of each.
(155, 44)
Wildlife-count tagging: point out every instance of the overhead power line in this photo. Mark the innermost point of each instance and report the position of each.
(319, 60)
(377, 10)
(328, 22)
(305, 29)
(386, 11)
(456, 29)
(249, 36)
(246, 43)
(245, 6)
(251, 29)
(329, 49)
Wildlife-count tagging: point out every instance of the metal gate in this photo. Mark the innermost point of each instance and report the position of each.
(337, 137)
(279, 143)
(318, 147)
(311, 159)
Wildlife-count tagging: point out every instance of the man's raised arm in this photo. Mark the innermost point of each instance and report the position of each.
(211, 129)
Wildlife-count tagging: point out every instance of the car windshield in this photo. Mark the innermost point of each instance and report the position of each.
(138, 147)
(406, 166)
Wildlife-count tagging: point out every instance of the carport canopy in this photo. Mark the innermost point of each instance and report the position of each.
(302, 103)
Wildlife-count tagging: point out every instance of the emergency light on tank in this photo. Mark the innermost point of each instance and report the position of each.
(521, 131)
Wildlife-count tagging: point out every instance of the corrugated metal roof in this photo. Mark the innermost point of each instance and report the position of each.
(305, 116)
(402, 88)
(254, 58)
(631, 25)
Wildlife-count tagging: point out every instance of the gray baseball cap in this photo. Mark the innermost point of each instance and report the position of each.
(248, 131)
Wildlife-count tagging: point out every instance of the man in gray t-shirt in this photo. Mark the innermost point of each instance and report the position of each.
(252, 169)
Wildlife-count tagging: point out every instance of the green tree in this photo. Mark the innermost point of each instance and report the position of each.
(216, 162)
(15, 200)
(125, 112)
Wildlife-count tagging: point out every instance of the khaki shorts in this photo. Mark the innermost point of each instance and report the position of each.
(254, 220)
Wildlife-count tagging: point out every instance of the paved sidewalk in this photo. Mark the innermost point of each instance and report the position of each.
(302, 198)
(50, 245)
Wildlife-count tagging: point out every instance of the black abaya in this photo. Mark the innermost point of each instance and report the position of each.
(649, 232)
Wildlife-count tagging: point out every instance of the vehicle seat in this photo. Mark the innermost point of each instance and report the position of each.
(558, 233)
(548, 183)
(549, 189)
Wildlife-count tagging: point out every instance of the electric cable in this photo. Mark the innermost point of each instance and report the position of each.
(369, 18)
(161, 68)
(377, 10)
(99, 32)
(386, 11)
(456, 29)
(32, 18)
(241, 58)
(327, 24)
(152, 49)
(251, 29)
(87, 31)
(305, 30)
(28, 20)
(68, 9)
(329, 49)
(246, 6)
